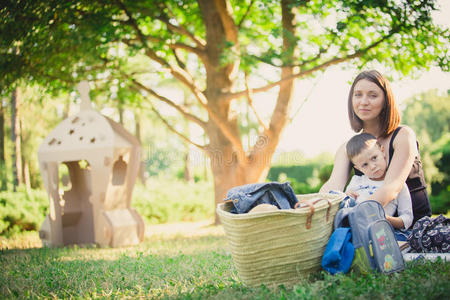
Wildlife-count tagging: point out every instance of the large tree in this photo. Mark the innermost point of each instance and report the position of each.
(215, 48)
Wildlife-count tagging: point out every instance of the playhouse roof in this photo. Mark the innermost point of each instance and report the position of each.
(86, 131)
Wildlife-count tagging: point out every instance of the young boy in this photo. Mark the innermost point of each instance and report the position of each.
(368, 156)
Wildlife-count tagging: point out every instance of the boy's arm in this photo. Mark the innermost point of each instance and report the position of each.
(396, 222)
(404, 209)
(352, 194)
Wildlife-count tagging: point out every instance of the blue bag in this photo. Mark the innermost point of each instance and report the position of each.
(339, 253)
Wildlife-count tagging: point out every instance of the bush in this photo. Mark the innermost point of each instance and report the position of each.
(440, 203)
(304, 179)
(325, 173)
(440, 190)
(162, 201)
(22, 210)
(301, 188)
(299, 173)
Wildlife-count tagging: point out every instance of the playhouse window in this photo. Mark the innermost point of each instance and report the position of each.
(65, 184)
(119, 171)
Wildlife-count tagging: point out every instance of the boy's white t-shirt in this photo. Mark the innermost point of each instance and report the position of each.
(365, 187)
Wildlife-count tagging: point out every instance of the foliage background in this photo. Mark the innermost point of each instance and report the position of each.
(428, 114)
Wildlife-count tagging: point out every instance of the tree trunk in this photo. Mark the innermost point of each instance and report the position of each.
(230, 165)
(219, 79)
(187, 174)
(120, 108)
(26, 173)
(66, 109)
(15, 137)
(229, 171)
(142, 164)
(3, 173)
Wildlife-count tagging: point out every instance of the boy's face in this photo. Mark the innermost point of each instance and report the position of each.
(371, 161)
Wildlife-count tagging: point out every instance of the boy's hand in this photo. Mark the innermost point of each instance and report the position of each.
(352, 194)
(396, 222)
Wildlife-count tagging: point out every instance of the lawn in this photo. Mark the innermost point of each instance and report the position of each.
(186, 261)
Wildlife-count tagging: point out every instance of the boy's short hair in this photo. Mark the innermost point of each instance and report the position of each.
(358, 143)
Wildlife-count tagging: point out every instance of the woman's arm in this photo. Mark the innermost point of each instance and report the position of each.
(400, 167)
(340, 173)
(404, 208)
(396, 222)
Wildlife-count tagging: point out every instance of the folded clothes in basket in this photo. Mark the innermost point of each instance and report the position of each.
(245, 197)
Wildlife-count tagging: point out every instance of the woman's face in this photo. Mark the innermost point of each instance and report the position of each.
(367, 100)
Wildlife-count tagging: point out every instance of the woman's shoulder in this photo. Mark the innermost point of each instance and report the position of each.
(405, 139)
(342, 147)
(405, 134)
(341, 161)
(405, 129)
(341, 153)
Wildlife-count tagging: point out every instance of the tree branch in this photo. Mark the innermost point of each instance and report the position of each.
(186, 114)
(245, 14)
(250, 103)
(180, 63)
(171, 128)
(224, 9)
(131, 21)
(333, 61)
(181, 30)
(200, 53)
(179, 73)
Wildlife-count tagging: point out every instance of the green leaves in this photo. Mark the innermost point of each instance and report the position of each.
(53, 40)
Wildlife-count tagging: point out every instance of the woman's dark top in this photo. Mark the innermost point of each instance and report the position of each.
(415, 182)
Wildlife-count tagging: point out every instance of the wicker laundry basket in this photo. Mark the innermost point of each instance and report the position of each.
(279, 247)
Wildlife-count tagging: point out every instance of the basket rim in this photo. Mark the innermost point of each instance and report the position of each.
(334, 198)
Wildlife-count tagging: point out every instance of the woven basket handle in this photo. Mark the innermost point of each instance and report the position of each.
(312, 209)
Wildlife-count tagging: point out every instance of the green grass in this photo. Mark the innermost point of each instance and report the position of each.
(182, 267)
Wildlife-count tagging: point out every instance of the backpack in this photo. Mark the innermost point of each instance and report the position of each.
(372, 237)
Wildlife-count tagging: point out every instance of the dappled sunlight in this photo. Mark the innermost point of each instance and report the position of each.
(24, 240)
(184, 229)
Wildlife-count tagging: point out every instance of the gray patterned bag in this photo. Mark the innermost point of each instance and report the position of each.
(431, 235)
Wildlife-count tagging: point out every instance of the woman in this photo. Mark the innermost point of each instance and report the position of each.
(371, 109)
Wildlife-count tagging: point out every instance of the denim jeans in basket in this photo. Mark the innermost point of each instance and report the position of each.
(245, 197)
